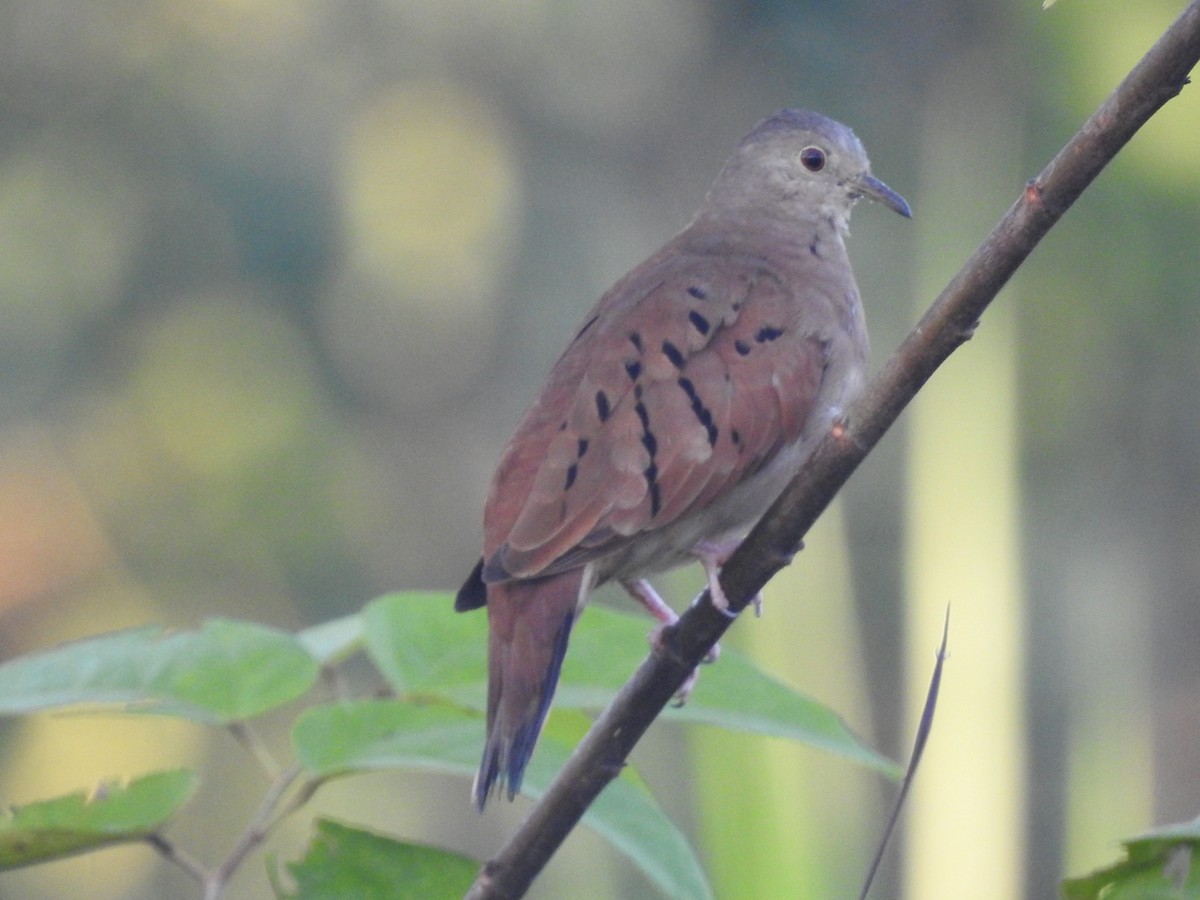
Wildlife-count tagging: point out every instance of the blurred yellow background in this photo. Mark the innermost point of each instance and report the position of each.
(277, 279)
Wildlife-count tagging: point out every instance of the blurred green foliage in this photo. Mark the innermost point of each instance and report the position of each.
(231, 673)
(278, 277)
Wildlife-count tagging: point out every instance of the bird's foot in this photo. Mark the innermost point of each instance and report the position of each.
(713, 555)
(642, 591)
(685, 689)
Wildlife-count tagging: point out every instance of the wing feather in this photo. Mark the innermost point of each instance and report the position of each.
(683, 388)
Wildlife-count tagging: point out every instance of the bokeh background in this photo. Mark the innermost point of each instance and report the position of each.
(277, 278)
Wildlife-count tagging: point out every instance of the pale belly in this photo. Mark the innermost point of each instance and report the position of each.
(724, 522)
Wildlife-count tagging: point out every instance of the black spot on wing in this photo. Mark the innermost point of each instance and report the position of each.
(698, 322)
(768, 333)
(651, 473)
(573, 469)
(650, 442)
(741, 347)
(698, 292)
(702, 412)
(633, 369)
(673, 353)
(643, 415)
(636, 340)
(603, 410)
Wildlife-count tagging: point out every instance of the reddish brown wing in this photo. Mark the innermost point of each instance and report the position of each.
(683, 385)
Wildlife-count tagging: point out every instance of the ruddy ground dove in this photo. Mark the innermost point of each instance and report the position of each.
(685, 402)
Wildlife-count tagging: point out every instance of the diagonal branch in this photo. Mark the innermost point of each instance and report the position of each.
(1159, 76)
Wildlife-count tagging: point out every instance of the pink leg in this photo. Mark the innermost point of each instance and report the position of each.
(712, 556)
(644, 593)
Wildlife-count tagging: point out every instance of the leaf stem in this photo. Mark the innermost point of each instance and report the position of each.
(249, 738)
(258, 829)
(179, 856)
(271, 812)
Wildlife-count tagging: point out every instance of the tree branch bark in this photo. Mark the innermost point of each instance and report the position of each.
(1158, 77)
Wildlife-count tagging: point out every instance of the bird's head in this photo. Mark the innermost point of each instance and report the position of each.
(801, 164)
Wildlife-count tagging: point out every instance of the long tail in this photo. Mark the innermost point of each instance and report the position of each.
(529, 623)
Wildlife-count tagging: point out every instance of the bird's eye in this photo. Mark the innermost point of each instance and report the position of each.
(812, 158)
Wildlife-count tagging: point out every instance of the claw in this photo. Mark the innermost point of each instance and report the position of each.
(645, 593)
(685, 689)
(712, 557)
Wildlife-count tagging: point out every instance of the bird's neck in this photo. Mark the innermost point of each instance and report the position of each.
(778, 231)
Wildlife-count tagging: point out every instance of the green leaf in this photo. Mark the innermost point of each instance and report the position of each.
(732, 693)
(424, 648)
(344, 738)
(109, 814)
(342, 861)
(227, 671)
(735, 694)
(338, 739)
(1159, 865)
(332, 642)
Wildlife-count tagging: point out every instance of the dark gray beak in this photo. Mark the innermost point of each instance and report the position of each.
(869, 186)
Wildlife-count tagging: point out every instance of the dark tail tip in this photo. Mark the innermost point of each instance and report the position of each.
(473, 593)
(500, 771)
(502, 768)
(510, 744)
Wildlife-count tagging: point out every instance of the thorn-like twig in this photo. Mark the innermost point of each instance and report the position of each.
(914, 760)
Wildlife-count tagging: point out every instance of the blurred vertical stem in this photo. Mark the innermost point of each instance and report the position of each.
(966, 823)
(1110, 750)
(808, 808)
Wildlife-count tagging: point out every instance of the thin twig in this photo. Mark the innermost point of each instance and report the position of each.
(256, 831)
(180, 857)
(271, 812)
(250, 739)
(1158, 77)
(334, 679)
(914, 760)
